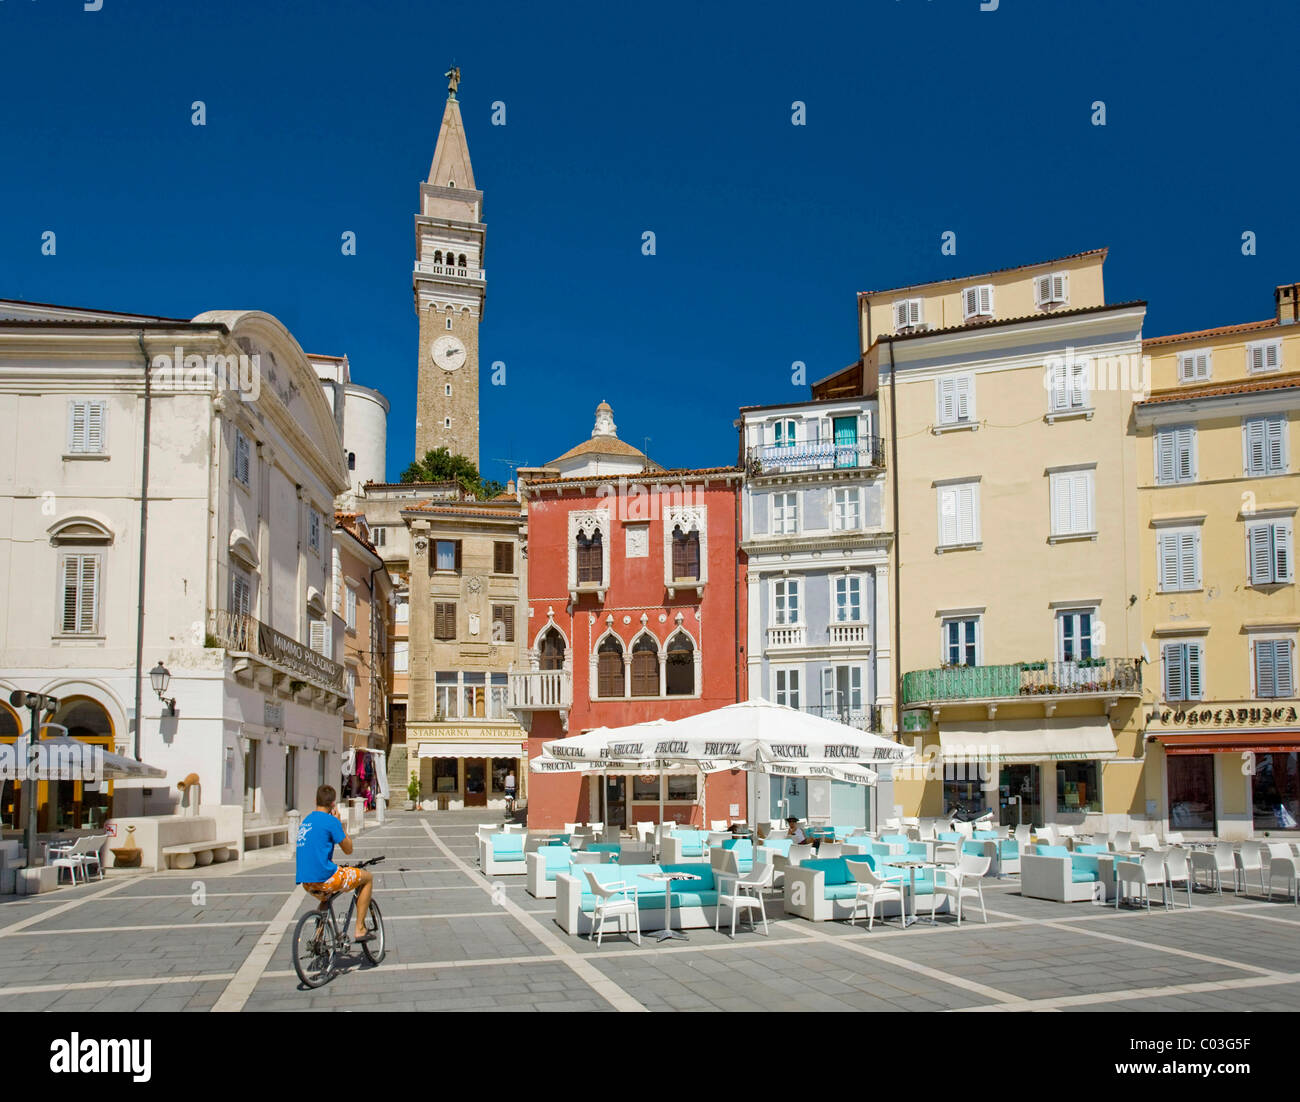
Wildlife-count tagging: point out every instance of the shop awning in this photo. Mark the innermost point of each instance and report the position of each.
(1014, 741)
(1238, 742)
(472, 750)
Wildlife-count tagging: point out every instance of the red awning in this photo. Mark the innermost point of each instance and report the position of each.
(1238, 742)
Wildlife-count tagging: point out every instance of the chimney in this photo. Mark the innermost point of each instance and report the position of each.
(510, 488)
(1287, 297)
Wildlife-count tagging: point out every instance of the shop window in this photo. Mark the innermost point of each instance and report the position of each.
(1077, 787)
(446, 775)
(683, 787)
(1191, 791)
(645, 787)
(1276, 791)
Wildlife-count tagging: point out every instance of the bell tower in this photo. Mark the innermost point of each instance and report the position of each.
(449, 285)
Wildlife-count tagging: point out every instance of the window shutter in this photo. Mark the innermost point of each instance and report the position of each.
(1282, 551)
(966, 527)
(1081, 503)
(1060, 504)
(963, 397)
(76, 427)
(95, 427)
(1174, 686)
(900, 315)
(1189, 566)
(828, 688)
(1265, 669)
(318, 639)
(1194, 686)
(88, 595)
(1261, 554)
(1060, 287)
(1282, 672)
(1185, 446)
(1043, 289)
(948, 515)
(1254, 358)
(458, 554)
(1256, 432)
(1165, 470)
(1168, 547)
(71, 577)
(1275, 439)
(947, 395)
(971, 301)
(986, 299)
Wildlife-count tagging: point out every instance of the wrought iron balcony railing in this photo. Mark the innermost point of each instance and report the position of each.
(866, 453)
(860, 719)
(238, 632)
(1084, 677)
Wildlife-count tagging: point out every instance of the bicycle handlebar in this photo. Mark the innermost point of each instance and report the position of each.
(363, 864)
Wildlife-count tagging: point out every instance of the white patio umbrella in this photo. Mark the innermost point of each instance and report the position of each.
(64, 758)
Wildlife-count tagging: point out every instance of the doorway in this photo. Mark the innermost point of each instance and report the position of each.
(476, 782)
(616, 801)
(1020, 796)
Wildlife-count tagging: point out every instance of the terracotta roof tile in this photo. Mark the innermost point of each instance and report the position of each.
(995, 323)
(653, 476)
(603, 445)
(1221, 331)
(979, 275)
(1222, 390)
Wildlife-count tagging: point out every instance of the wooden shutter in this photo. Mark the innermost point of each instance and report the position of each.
(828, 691)
(645, 673)
(1185, 454)
(1265, 669)
(947, 400)
(609, 673)
(1282, 670)
(1282, 568)
(505, 616)
(503, 558)
(76, 427)
(948, 515)
(444, 620)
(1165, 467)
(967, 525)
(900, 315)
(1174, 680)
(1042, 289)
(1274, 444)
(1259, 542)
(1167, 545)
(457, 544)
(1193, 652)
(71, 578)
(964, 397)
(1189, 565)
(95, 413)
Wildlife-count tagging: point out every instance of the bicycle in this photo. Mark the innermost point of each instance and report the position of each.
(319, 941)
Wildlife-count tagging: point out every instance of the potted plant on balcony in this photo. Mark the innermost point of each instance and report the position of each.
(412, 791)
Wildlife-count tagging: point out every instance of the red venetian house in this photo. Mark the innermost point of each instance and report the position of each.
(636, 611)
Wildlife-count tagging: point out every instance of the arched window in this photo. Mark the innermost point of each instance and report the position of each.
(686, 554)
(352, 461)
(437, 256)
(609, 668)
(680, 676)
(645, 667)
(74, 804)
(550, 650)
(591, 558)
(85, 719)
(461, 261)
(11, 803)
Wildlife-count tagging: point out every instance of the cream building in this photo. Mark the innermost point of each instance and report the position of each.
(1218, 493)
(243, 464)
(1004, 403)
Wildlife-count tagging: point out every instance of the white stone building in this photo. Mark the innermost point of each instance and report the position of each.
(240, 465)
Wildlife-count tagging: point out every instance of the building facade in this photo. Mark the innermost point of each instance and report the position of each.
(1218, 492)
(244, 463)
(467, 587)
(1013, 503)
(362, 601)
(818, 581)
(636, 611)
(361, 416)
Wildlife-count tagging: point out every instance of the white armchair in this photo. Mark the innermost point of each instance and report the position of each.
(743, 894)
(1139, 877)
(1178, 871)
(1248, 859)
(719, 824)
(616, 901)
(1284, 865)
(964, 881)
(873, 891)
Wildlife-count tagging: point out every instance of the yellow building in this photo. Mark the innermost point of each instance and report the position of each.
(1218, 492)
(1005, 402)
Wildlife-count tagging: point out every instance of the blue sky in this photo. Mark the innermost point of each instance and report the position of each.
(922, 116)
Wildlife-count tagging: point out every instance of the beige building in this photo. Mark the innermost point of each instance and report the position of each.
(468, 619)
(363, 602)
(1218, 493)
(1004, 403)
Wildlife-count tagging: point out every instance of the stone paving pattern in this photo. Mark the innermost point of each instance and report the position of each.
(457, 941)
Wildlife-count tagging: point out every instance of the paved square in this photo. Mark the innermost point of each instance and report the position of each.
(218, 939)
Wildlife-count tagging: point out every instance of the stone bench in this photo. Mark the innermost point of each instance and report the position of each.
(260, 837)
(189, 854)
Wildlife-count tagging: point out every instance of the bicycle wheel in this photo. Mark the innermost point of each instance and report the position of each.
(313, 949)
(375, 949)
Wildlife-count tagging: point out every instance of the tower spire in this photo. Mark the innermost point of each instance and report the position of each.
(451, 166)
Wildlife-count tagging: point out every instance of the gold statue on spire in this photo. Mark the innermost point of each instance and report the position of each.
(453, 80)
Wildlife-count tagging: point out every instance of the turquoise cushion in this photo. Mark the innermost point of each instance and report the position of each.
(841, 891)
(975, 849)
(705, 883)
(777, 845)
(1053, 851)
(1092, 849)
(1080, 876)
(603, 847)
(985, 835)
(895, 839)
(557, 858)
(842, 832)
(880, 849)
(1008, 849)
(1083, 867)
(834, 870)
(949, 836)
(508, 847)
(743, 848)
(690, 898)
(631, 875)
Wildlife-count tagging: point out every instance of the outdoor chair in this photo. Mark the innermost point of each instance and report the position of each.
(617, 901)
(963, 881)
(1024, 835)
(644, 832)
(1067, 833)
(1248, 859)
(1142, 875)
(589, 857)
(1174, 838)
(742, 893)
(1282, 863)
(572, 828)
(1178, 871)
(1122, 841)
(719, 824)
(1148, 842)
(892, 825)
(69, 858)
(595, 828)
(88, 853)
(871, 892)
(1204, 865)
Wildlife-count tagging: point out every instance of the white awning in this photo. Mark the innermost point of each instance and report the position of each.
(1077, 738)
(472, 750)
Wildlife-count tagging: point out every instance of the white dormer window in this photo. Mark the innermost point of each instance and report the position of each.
(1194, 367)
(1263, 357)
(1052, 289)
(907, 314)
(977, 301)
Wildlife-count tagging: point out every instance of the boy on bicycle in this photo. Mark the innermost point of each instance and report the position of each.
(320, 877)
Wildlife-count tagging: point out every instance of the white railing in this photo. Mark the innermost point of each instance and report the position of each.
(847, 634)
(425, 267)
(540, 690)
(790, 635)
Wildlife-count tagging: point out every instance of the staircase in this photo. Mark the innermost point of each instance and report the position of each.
(398, 775)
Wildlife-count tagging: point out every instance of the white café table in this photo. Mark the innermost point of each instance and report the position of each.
(911, 867)
(668, 878)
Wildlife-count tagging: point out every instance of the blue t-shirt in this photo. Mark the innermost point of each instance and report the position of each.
(317, 836)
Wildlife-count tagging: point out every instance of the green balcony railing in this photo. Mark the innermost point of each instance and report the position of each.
(1090, 676)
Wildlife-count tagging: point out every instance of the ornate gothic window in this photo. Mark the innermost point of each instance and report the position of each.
(609, 668)
(645, 667)
(679, 679)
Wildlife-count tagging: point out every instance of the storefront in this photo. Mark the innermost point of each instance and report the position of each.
(455, 775)
(62, 805)
(365, 775)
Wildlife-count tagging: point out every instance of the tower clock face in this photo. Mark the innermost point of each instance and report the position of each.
(448, 352)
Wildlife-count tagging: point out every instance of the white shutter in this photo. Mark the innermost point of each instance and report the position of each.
(1060, 504)
(76, 427)
(1060, 387)
(1165, 467)
(966, 522)
(401, 657)
(970, 302)
(1254, 358)
(1078, 385)
(828, 688)
(1282, 668)
(319, 639)
(907, 313)
(1259, 541)
(1081, 502)
(1042, 290)
(1282, 571)
(1174, 681)
(947, 515)
(1060, 287)
(986, 299)
(87, 594)
(1255, 445)
(1265, 669)
(946, 400)
(1189, 560)
(1185, 452)
(1167, 550)
(95, 416)
(1275, 444)
(963, 397)
(71, 576)
(1195, 689)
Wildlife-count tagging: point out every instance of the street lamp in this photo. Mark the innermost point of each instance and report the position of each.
(160, 677)
(37, 703)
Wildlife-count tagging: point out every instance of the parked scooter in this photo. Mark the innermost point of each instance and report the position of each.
(980, 820)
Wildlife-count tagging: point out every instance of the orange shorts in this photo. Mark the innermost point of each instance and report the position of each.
(345, 879)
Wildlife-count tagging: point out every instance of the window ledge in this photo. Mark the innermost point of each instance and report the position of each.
(1069, 415)
(76, 637)
(956, 426)
(943, 548)
(70, 456)
(1072, 537)
(696, 584)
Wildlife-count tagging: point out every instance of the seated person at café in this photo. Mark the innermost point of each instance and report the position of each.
(797, 835)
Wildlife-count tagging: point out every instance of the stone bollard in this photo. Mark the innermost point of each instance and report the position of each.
(357, 815)
(381, 805)
(295, 818)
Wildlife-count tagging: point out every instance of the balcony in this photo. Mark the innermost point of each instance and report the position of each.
(425, 267)
(272, 658)
(541, 691)
(787, 635)
(849, 635)
(866, 454)
(860, 719)
(1047, 682)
